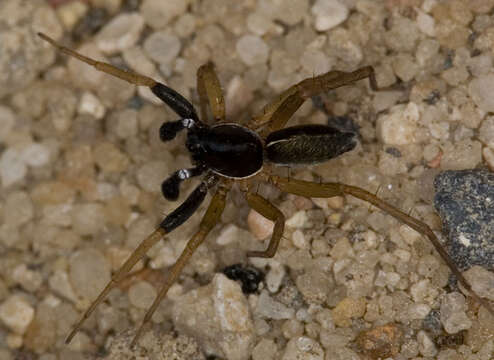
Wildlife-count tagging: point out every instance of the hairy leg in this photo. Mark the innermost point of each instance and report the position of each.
(173, 99)
(210, 219)
(269, 211)
(278, 112)
(311, 189)
(209, 89)
(173, 220)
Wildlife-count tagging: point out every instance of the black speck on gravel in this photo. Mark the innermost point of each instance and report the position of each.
(464, 200)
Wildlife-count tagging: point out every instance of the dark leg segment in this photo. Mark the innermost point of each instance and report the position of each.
(269, 211)
(310, 189)
(171, 186)
(210, 219)
(175, 101)
(173, 220)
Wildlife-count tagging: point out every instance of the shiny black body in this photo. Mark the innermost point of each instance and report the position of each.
(235, 151)
(228, 149)
(307, 144)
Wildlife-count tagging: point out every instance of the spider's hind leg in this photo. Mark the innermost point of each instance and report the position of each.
(269, 211)
(326, 190)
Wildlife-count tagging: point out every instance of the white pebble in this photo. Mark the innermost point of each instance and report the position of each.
(158, 13)
(329, 13)
(91, 105)
(426, 23)
(303, 348)
(426, 345)
(298, 220)
(260, 227)
(252, 50)
(315, 62)
(453, 316)
(400, 125)
(89, 272)
(162, 46)
(142, 294)
(12, 167)
(275, 276)
(36, 154)
(16, 313)
(120, 33)
(269, 308)
(480, 90)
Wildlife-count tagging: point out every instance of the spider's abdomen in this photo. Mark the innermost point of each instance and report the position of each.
(307, 144)
(227, 149)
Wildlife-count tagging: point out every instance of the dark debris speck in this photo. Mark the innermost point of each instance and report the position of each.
(250, 277)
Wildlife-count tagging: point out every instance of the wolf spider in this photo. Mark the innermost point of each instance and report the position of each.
(227, 152)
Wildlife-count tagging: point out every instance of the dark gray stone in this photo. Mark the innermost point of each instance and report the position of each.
(465, 202)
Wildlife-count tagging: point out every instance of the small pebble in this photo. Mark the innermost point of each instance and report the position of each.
(269, 308)
(142, 294)
(12, 167)
(348, 309)
(36, 155)
(162, 47)
(158, 13)
(252, 50)
(121, 33)
(426, 345)
(303, 348)
(381, 341)
(16, 313)
(400, 125)
(89, 273)
(329, 14)
(259, 226)
(479, 90)
(453, 316)
(217, 311)
(91, 105)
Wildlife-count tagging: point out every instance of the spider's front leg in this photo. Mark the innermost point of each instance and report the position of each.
(276, 114)
(326, 190)
(169, 223)
(209, 221)
(173, 99)
(209, 89)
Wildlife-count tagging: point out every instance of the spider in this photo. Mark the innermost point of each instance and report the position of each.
(227, 152)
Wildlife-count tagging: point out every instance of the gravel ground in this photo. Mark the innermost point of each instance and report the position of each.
(81, 165)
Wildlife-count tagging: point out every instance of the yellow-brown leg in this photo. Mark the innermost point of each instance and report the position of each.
(310, 189)
(278, 112)
(119, 276)
(269, 211)
(209, 89)
(210, 219)
(126, 75)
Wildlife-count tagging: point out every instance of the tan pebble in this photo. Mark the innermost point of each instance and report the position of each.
(381, 342)
(348, 309)
(260, 227)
